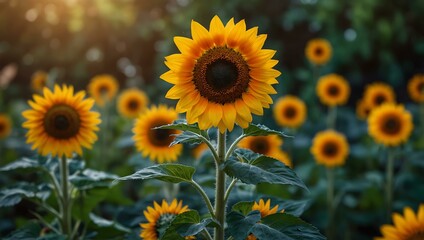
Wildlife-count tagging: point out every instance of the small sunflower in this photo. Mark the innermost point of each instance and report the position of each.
(155, 142)
(265, 145)
(159, 217)
(39, 81)
(221, 76)
(265, 210)
(5, 125)
(103, 88)
(330, 148)
(390, 124)
(378, 93)
(318, 51)
(289, 111)
(132, 102)
(60, 123)
(333, 89)
(410, 226)
(416, 88)
(362, 109)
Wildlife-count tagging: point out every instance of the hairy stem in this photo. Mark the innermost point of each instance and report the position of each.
(220, 189)
(204, 196)
(66, 213)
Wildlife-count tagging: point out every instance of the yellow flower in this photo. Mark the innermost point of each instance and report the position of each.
(390, 124)
(60, 123)
(290, 111)
(416, 88)
(265, 210)
(5, 125)
(378, 93)
(103, 88)
(362, 110)
(155, 142)
(410, 226)
(159, 217)
(333, 89)
(330, 148)
(132, 102)
(318, 51)
(221, 76)
(39, 81)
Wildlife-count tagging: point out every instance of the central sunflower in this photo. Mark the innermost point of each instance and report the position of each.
(221, 76)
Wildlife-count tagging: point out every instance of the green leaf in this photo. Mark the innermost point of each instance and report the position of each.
(246, 154)
(189, 224)
(262, 170)
(184, 126)
(169, 172)
(90, 178)
(102, 222)
(261, 130)
(32, 231)
(239, 225)
(12, 196)
(243, 207)
(22, 163)
(186, 137)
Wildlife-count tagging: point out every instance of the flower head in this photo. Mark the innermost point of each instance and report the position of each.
(60, 122)
(5, 125)
(155, 143)
(103, 88)
(416, 88)
(378, 93)
(289, 111)
(221, 76)
(132, 102)
(333, 89)
(39, 81)
(318, 51)
(362, 109)
(410, 226)
(390, 124)
(330, 148)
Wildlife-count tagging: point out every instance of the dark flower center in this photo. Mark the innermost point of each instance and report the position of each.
(318, 51)
(330, 149)
(290, 112)
(161, 137)
(392, 125)
(2, 127)
(379, 99)
(103, 89)
(221, 75)
(163, 223)
(333, 90)
(416, 236)
(62, 122)
(420, 87)
(259, 145)
(133, 105)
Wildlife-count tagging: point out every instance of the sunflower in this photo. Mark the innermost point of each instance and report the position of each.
(5, 125)
(265, 145)
(333, 89)
(330, 148)
(132, 102)
(60, 123)
(103, 88)
(265, 210)
(362, 109)
(155, 142)
(318, 51)
(416, 88)
(410, 226)
(159, 217)
(221, 76)
(390, 124)
(289, 111)
(39, 81)
(378, 93)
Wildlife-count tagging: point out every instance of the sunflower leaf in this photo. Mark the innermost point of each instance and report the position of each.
(186, 137)
(14, 195)
(184, 126)
(239, 225)
(262, 170)
(243, 207)
(169, 172)
(261, 130)
(90, 178)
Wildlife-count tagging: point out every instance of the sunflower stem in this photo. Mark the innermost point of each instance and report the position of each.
(204, 196)
(389, 182)
(422, 123)
(66, 213)
(331, 117)
(219, 233)
(230, 187)
(233, 146)
(330, 203)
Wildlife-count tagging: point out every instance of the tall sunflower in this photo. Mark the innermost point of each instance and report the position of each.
(390, 124)
(330, 148)
(410, 226)
(132, 102)
(318, 51)
(5, 125)
(155, 142)
(39, 81)
(333, 89)
(60, 122)
(159, 217)
(289, 111)
(265, 209)
(221, 76)
(378, 93)
(362, 109)
(103, 88)
(416, 88)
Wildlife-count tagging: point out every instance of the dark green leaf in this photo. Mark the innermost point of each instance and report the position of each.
(91, 178)
(243, 207)
(170, 172)
(262, 170)
(184, 126)
(101, 222)
(22, 163)
(32, 231)
(189, 224)
(12, 196)
(246, 154)
(186, 137)
(261, 130)
(239, 225)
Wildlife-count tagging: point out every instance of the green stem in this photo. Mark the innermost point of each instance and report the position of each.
(220, 189)
(330, 203)
(204, 196)
(389, 182)
(206, 234)
(66, 213)
(422, 123)
(233, 146)
(331, 117)
(230, 187)
(211, 148)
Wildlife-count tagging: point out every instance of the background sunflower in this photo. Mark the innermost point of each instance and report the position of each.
(39, 81)
(103, 88)
(289, 111)
(318, 51)
(5, 125)
(333, 89)
(132, 102)
(416, 88)
(378, 93)
(330, 148)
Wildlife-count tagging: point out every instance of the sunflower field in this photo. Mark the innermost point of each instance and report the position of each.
(235, 120)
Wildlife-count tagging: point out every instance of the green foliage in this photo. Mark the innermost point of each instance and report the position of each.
(170, 172)
(261, 130)
(14, 195)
